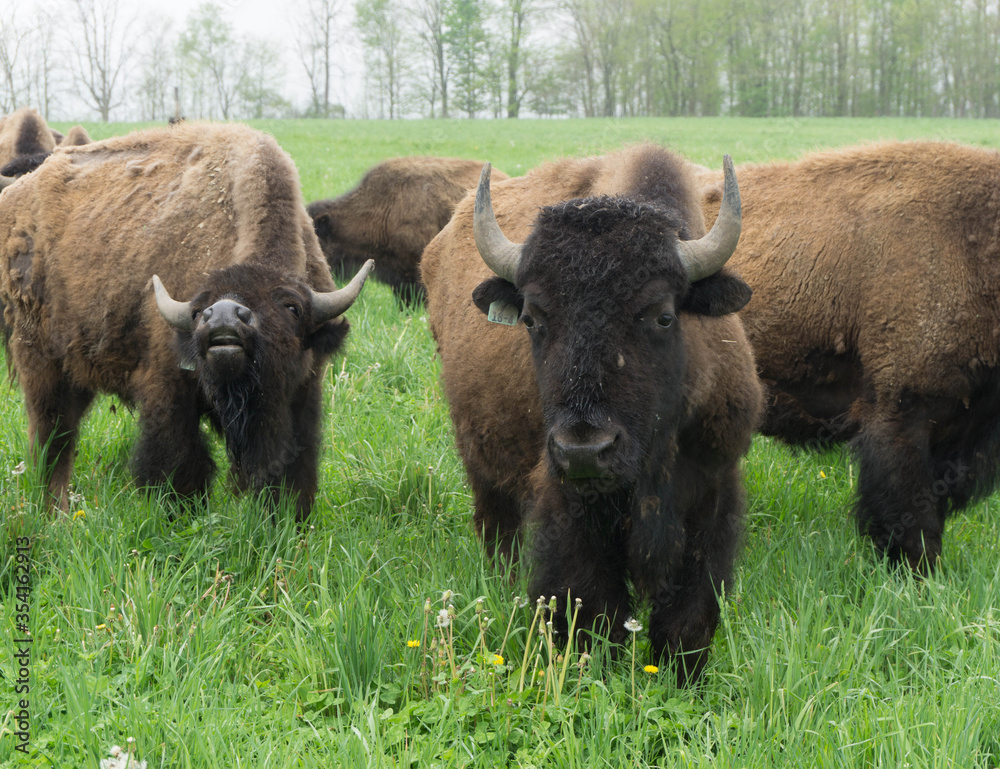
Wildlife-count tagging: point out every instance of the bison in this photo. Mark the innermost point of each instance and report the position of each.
(94, 245)
(876, 320)
(392, 214)
(611, 422)
(25, 141)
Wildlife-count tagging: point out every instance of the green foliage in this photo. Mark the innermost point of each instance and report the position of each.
(226, 636)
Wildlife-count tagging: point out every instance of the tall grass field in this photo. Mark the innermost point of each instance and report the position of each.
(230, 637)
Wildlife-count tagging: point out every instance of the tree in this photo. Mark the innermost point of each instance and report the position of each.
(316, 39)
(515, 15)
(103, 54)
(466, 42)
(212, 54)
(158, 71)
(13, 41)
(382, 38)
(432, 32)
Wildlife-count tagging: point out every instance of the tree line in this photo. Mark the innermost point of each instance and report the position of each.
(509, 58)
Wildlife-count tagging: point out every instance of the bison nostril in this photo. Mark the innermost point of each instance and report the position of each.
(244, 314)
(586, 458)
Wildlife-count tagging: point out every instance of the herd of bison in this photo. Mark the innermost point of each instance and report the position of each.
(612, 332)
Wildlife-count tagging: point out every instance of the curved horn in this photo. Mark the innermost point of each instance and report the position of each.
(707, 255)
(500, 254)
(333, 303)
(6, 181)
(177, 314)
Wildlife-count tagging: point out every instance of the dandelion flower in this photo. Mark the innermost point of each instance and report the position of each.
(822, 474)
(497, 659)
(632, 625)
(414, 644)
(102, 626)
(651, 669)
(79, 514)
(443, 618)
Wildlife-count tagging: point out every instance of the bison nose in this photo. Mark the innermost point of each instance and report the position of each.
(225, 318)
(583, 456)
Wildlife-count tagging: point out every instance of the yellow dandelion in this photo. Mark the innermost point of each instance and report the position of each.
(822, 474)
(102, 626)
(651, 669)
(497, 659)
(79, 514)
(414, 644)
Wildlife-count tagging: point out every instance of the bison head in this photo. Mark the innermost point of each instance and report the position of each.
(251, 329)
(607, 292)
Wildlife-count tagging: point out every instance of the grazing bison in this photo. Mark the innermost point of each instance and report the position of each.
(876, 320)
(212, 214)
(612, 420)
(398, 207)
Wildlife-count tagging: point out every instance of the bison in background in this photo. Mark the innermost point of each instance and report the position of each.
(212, 214)
(611, 420)
(25, 141)
(397, 208)
(876, 320)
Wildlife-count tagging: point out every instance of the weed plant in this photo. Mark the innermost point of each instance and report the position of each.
(228, 635)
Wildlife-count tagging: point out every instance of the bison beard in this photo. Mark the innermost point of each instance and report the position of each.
(610, 423)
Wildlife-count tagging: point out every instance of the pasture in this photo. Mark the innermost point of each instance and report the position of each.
(222, 637)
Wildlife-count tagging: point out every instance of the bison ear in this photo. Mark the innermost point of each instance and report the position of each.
(489, 293)
(323, 227)
(328, 337)
(718, 294)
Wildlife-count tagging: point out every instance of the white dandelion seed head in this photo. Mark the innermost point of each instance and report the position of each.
(443, 618)
(632, 625)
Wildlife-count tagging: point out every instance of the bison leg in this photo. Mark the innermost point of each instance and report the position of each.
(55, 409)
(571, 557)
(898, 506)
(301, 456)
(171, 448)
(685, 598)
(497, 519)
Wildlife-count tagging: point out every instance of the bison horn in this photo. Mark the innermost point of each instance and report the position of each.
(175, 313)
(500, 254)
(6, 181)
(707, 255)
(333, 303)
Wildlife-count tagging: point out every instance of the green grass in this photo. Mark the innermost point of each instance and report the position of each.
(238, 640)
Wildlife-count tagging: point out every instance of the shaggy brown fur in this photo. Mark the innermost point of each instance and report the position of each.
(216, 212)
(77, 136)
(683, 402)
(876, 319)
(399, 205)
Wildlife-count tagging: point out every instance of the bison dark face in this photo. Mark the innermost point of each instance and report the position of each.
(255, 338)
(604, 288)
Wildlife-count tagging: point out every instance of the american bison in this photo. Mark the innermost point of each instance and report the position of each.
(212, 214)
(876, 320)
(612, 420)
(25, 141)
(399, 205)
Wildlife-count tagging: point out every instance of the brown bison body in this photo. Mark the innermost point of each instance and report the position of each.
(611, 420)
(216, 213)
(396, 209)
(876, 319)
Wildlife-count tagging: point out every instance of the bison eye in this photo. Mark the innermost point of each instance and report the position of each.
(293, 309)
(665, 320)
(528, 321)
